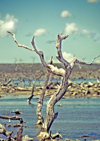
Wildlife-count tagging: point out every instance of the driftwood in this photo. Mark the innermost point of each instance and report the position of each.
(12, 118)
(52, 85)
(5, 83)
(17, 112)
(19, 134)
(18, 137)
(16, 125)
(27, 138)
(65, 83)
(50, 136)
(4, 131)
(39, 75)
(32, 94)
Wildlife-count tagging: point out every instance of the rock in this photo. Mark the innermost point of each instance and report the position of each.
(86, 136)
(59, 105)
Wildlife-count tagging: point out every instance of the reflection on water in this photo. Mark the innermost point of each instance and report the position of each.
(76, 116)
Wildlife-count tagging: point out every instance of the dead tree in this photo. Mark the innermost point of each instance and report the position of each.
(65, 83)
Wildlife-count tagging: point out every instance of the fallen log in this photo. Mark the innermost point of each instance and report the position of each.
(16, 125)
(6, 83)
(27, 138)
(12, 118)
(23, 89)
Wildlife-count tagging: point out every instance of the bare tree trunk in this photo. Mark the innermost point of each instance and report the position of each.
(40, 102)
(50, 114)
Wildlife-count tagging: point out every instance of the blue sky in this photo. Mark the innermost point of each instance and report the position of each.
(80, 19)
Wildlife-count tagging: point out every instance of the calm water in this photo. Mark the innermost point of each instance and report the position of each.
(76, 116)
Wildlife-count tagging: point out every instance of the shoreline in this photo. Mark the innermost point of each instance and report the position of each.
(83, 90)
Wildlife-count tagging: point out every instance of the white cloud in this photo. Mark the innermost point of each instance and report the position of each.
(67, 56)
(65, 14)
(40, 32)
(85, 32)
(93, 1)
(71, 28)
(8, 24)
(91, 34)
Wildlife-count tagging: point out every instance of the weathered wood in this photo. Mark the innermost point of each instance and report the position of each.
(27, 138)
(32, 94)
(6, 83)
(19, 134)
(12, 118)
(17, 112)
(5, 132)
(40, 102)
(19, 45)
(16, 125)
(52, 85)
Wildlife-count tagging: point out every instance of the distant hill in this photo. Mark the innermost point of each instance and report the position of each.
(10, 68)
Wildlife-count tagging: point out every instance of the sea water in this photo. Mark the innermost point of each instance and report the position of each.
(76, 117)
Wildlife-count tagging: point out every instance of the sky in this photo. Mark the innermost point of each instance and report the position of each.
(45, 19)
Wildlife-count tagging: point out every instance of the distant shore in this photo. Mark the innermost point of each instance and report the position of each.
(28, 71)
(84, 90)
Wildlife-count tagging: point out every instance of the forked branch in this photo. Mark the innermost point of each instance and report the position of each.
(50, 68)
(59, 52)
(84, 63)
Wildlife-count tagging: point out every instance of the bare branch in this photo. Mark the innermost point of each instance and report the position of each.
(84, 63)
(19, 45)
(50, 67)
(58, 46)
(94, 59)
(40, 53)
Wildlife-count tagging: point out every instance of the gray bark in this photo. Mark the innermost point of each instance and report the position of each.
(12, 118)
(50, 114)
(32, 94)
(40, 102)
